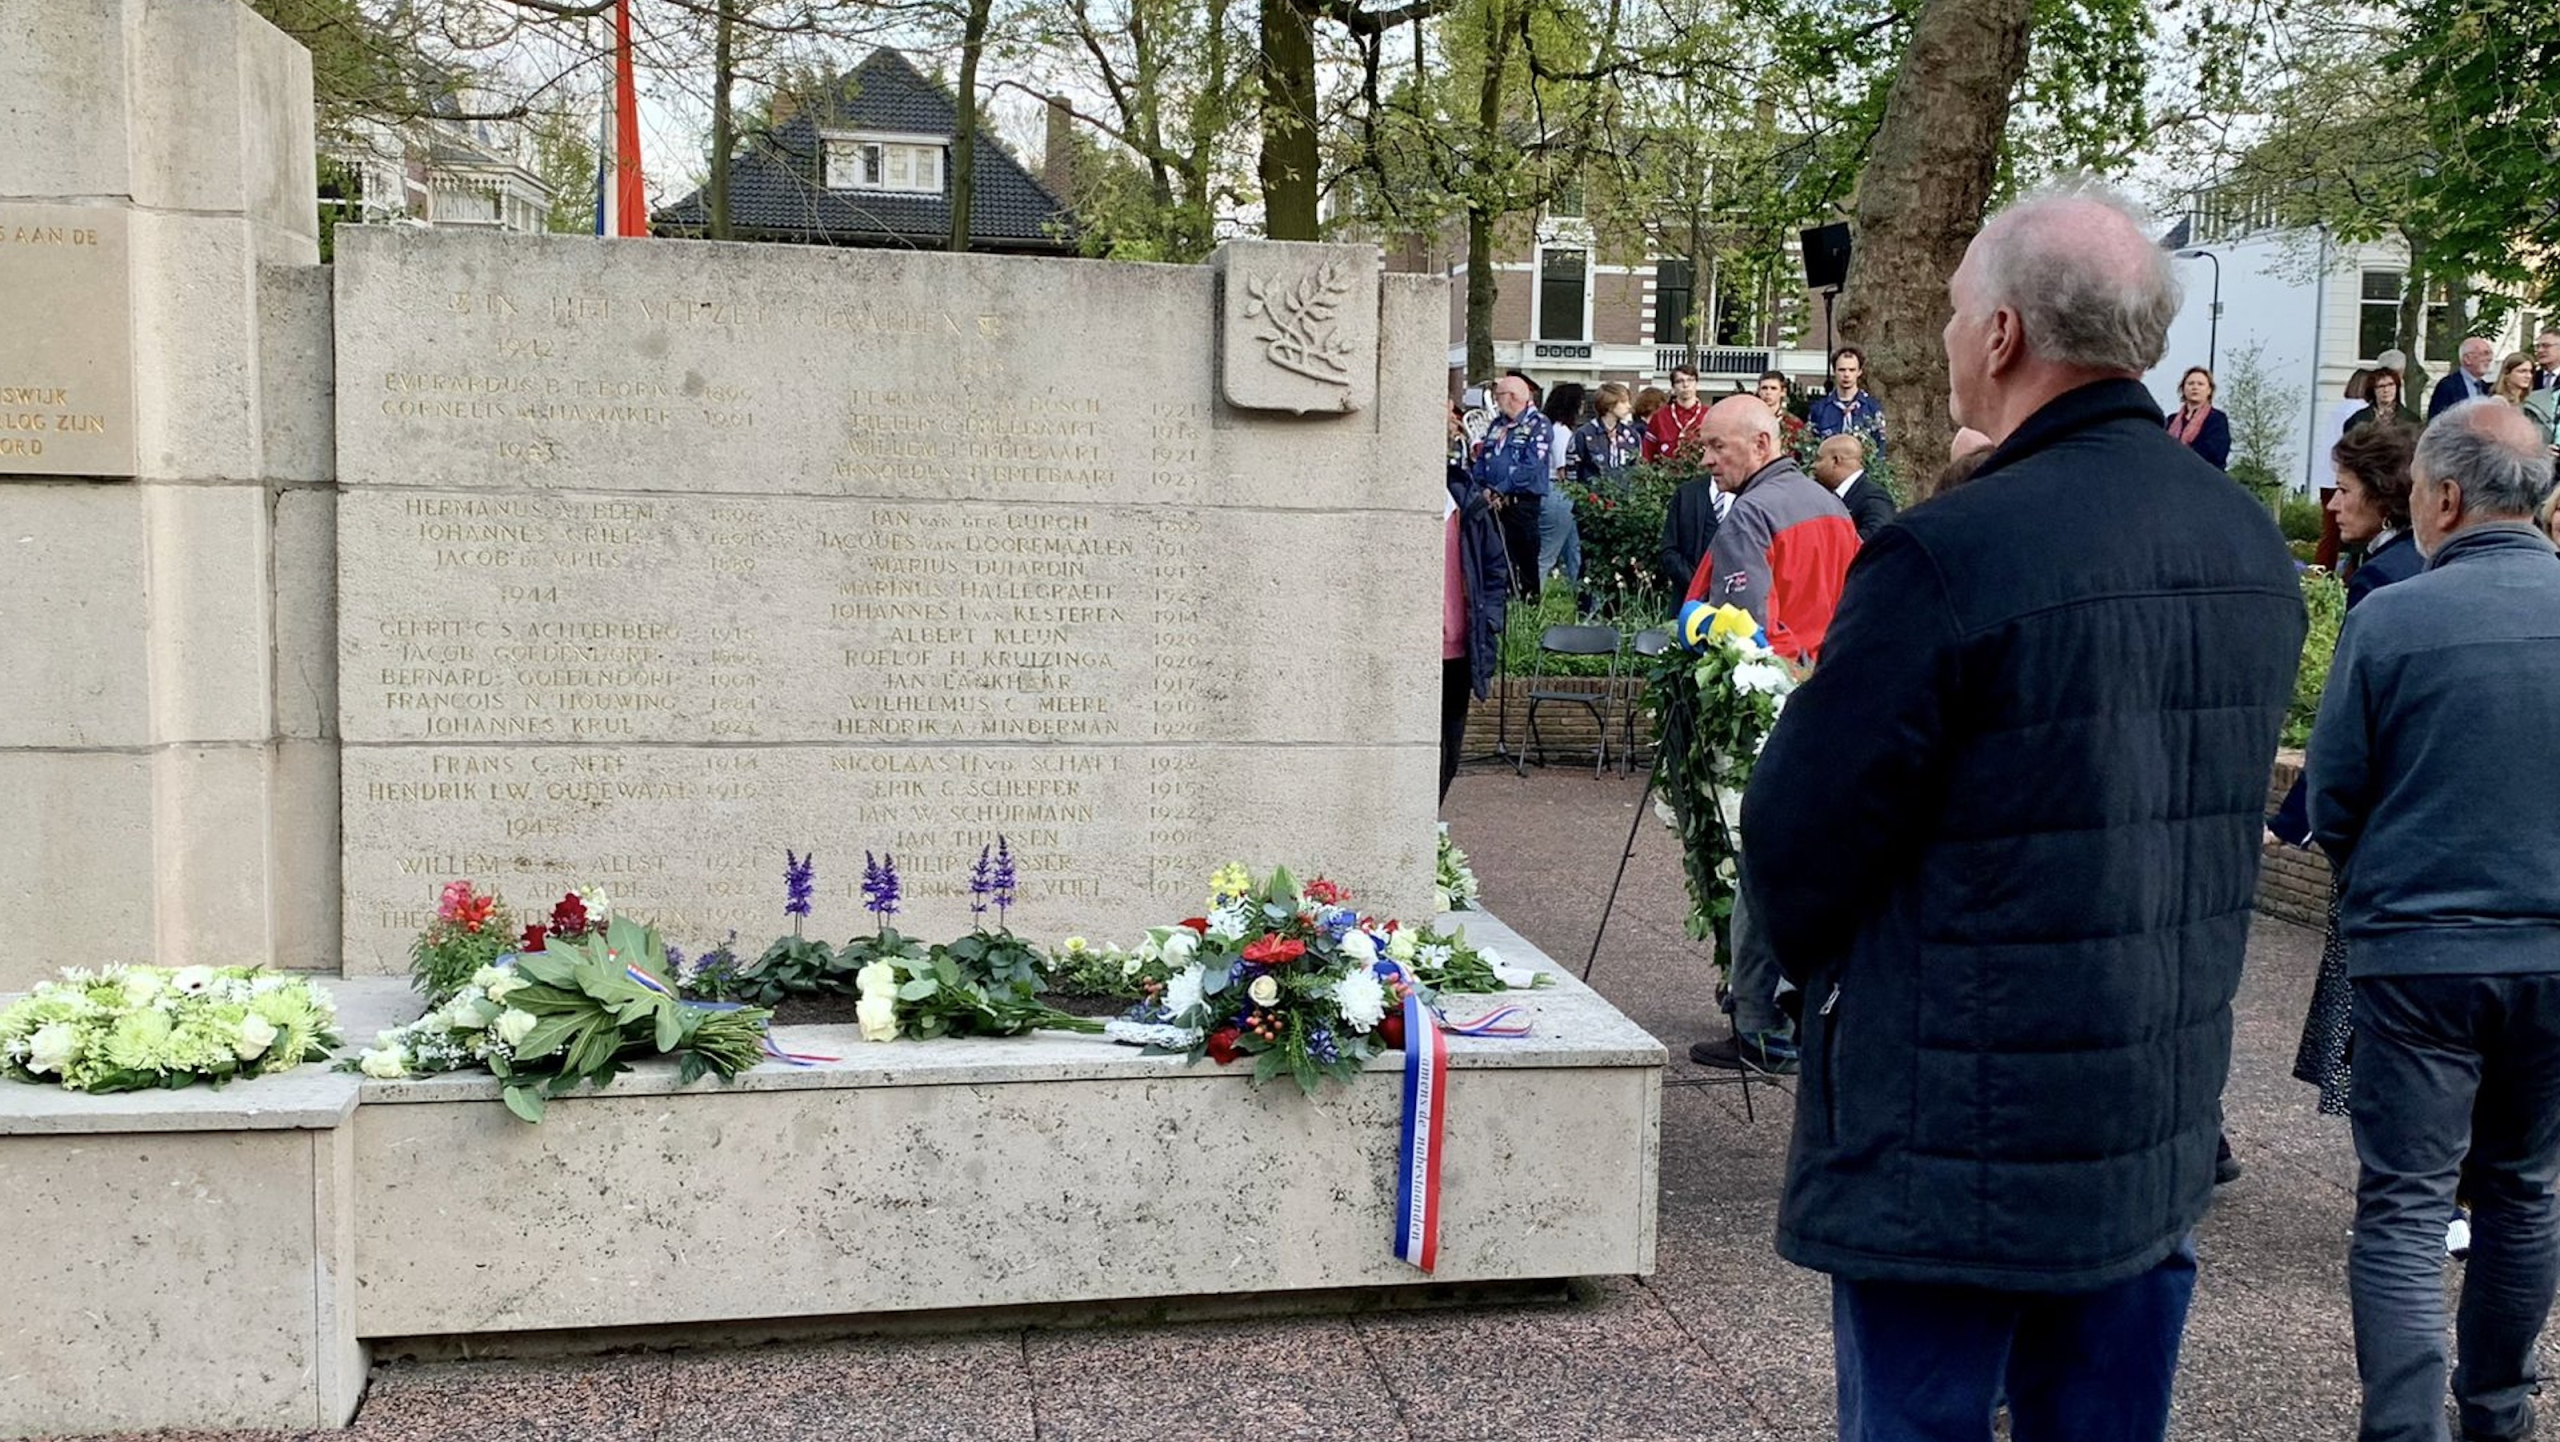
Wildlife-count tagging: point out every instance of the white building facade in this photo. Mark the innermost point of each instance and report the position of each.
(2316, 310)
(437, 171)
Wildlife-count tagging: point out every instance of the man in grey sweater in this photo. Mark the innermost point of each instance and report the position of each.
(2434, 789)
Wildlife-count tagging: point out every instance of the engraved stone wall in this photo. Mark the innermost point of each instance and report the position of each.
(164, 791)
(66, 373)
(654, 559)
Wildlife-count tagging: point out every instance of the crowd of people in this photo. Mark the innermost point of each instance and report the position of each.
(1528, 445)
(1999, 857)
(2376, 394)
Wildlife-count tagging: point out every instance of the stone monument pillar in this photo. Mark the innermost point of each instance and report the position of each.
(167, 789)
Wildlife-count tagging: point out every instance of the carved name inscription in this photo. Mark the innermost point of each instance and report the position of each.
(649, 571)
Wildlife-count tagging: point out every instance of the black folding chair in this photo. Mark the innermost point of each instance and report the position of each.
(1578, 641)
(1647, 644)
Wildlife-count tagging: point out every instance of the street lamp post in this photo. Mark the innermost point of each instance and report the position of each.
(2213, 323)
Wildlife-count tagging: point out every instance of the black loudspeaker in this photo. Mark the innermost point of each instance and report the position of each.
(1826, 256)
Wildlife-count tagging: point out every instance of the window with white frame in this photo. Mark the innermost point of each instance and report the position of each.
(908, 164)
(2379, 318)
(1563, 280)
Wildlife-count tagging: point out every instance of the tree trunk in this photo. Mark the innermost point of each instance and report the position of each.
(2412, 338)
(1289, 155)
(1920, 202)
(1482, 283)
(1480, 293)
(724, 79)
(964, 144)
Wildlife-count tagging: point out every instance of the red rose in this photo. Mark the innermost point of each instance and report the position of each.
(1274, 950)
(1199, 924)
(532, 938)
(569, 917)
(1221, 1045)
(1391, 1030)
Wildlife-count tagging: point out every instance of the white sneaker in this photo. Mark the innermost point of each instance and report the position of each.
(2457, 1238)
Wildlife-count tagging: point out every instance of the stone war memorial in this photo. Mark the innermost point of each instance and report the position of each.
(560, 564)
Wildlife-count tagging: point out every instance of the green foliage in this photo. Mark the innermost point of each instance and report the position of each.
(1169, 103)
(1455, 887)
(790, 966)
(564, 155)
(1621, 528)
(2299, 517)
(2326, 600)
(445, 956)
(999, 959)
(2261, 413)
(938, 996)
(2263, 485)
(887, 946)
(1711, 731)
(1527, 622)
(142, 1028)
(1463, 972)
(365, 64)
(2486, 87)
(1093, 971)
(592, 1018)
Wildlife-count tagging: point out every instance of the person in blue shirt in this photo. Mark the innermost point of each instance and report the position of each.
(1845, 409)
(1515, 461)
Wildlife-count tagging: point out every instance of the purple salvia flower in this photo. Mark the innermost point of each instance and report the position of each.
(799, 882)
(982, 883)
(880, 885)
(1003, 884)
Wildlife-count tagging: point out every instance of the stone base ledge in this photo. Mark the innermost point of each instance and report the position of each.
(906, 1179)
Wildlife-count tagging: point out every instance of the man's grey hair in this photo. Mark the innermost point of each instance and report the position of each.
(2491, 451)
(2089, 286)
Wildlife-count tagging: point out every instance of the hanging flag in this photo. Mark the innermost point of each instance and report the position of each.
(631, 197)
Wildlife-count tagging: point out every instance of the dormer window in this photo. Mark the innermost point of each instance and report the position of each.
(904, 164)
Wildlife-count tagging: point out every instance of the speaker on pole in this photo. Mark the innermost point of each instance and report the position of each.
(1826, 256)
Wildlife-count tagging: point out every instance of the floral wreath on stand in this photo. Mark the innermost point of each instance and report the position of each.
(1718, 701)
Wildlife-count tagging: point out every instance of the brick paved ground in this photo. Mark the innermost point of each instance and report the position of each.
(1724, 1342)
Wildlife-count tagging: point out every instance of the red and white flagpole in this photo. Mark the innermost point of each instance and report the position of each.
(631, 197)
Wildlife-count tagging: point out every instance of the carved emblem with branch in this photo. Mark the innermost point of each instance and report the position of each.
(1299, 331)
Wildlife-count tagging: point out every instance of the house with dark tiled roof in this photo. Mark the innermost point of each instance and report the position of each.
(869, 164)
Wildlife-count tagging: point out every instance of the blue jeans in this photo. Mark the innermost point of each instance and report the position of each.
(1559, 537)
(2457, 1081)
(1931, 1363)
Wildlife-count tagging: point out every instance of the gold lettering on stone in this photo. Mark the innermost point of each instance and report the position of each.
(66, 371)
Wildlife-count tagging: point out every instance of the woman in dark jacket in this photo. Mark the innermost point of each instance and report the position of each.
(2372, 508)
(2203, 429)
(1474, 601)
(2384, 402)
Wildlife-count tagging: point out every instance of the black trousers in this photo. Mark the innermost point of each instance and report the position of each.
(1457, 688)
(1520, 541)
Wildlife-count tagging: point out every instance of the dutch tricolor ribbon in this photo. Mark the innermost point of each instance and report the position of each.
(647, 982)
(1426, 1105)
(1501, 1021)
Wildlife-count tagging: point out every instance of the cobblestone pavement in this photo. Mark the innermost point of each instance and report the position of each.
(1725, 1341)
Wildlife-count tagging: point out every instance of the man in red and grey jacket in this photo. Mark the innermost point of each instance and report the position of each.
(1784, 547)
(1781, 554)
